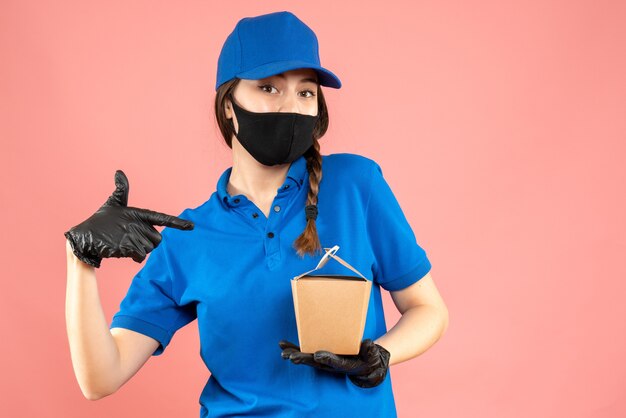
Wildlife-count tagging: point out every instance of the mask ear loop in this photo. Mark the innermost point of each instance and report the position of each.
(232, 107)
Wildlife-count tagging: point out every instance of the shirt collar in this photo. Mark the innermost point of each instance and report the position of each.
(294, 181)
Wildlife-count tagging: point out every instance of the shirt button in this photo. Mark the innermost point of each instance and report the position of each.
(236, 200)
(276, 208)
(255, 215)
(270, 234)
(287, 186)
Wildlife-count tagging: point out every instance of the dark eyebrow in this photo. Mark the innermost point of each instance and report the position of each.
(312, 80)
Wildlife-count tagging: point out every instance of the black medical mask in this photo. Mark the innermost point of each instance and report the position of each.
(274, 137)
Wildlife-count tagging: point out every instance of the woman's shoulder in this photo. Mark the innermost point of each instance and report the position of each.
(348, 163)
(347, 173)
(198, 214)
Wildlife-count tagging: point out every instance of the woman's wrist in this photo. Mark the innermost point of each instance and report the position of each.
(73, 260)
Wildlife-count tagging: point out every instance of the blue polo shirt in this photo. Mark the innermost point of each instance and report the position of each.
(232, 273)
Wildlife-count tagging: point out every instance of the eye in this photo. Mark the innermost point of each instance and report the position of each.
(309, 91)
(262, 87)
(265, 87)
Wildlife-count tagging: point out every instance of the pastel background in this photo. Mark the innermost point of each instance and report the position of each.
(499, 125)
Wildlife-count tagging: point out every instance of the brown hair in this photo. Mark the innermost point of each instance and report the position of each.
(308, 242)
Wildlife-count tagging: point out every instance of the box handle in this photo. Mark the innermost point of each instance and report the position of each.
(330, 252)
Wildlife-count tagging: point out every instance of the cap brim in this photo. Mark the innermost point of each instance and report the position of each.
(325, 77)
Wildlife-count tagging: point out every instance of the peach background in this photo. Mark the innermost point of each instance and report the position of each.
(500, 127)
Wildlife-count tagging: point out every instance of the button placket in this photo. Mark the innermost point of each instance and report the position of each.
(272, 232)
(249, 211)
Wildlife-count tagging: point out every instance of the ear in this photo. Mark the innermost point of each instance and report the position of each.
(228, 109)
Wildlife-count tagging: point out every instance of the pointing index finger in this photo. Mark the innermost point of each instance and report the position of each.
(163, 219)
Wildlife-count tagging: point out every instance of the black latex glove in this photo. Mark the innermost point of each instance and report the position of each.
(116, 230)
(367, 369)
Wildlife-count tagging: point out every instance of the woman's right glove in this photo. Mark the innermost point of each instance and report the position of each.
(367, 369)
(117, 230)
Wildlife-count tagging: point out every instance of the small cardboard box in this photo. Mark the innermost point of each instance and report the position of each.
(330, 309)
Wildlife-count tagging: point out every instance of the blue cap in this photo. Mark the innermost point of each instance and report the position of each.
(270, 44)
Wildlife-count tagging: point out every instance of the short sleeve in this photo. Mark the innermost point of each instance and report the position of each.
(150, 306)
(399, 260)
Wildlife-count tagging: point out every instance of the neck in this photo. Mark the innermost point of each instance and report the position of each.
(256, 181)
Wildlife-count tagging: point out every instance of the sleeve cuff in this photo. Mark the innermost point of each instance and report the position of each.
(135, 324)
(409, 278)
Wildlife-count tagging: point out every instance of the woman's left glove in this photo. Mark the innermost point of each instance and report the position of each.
(367, 369)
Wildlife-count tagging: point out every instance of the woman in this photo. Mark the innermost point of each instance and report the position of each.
(228, 262)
